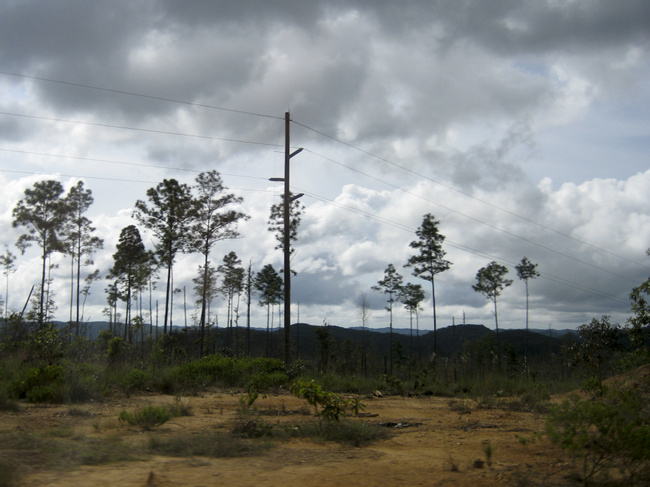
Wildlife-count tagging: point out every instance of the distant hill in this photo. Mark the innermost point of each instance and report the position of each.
(449, 341)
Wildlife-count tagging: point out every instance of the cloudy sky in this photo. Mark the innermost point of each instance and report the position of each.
(521, 125)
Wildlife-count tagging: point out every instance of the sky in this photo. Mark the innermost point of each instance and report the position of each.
(522, 126)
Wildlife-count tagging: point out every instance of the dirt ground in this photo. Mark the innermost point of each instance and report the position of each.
(433, 444)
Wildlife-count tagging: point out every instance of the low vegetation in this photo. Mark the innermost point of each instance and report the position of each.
(604, 428)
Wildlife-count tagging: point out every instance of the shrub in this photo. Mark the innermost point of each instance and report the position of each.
(611, 432)
(178, 409)
(41, 384)
(7, 403)
(252, 428)
(81, 383)
(263, 381)
(117, 349)
(229, 372)
(136, 380)
(147, 418)
(332, 405)
(349, 432)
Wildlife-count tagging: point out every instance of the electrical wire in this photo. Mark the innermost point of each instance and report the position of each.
(329, 159)
(328, 201)
(420, 175)
(477, 220)
(465, 248)
(140, 95)
(137, 129)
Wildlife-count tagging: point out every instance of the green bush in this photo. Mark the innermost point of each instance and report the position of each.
(252, 428)
(136, 380)
(41, 384)
(228, 372)
(263, 381)
(81, 383)
(332, 405)
(7, 403)
(349, 432)
(147, 418)
(117, 349)
(612, 432)
(178, 409)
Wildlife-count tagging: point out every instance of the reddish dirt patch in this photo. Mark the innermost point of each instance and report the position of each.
(435, 445)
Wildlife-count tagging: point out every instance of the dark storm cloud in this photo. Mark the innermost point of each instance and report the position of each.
(476, 95)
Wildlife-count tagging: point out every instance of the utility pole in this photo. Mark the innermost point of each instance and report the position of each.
(287, 241)
(287, 236)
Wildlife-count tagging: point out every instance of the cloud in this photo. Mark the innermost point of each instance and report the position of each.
(521, 126)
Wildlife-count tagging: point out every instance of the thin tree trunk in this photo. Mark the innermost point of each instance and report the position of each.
(169, 278)
(496, 322)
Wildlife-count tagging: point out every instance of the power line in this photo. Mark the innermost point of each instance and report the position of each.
(109, 161)
(137, 129)
(414, 173)
(363, 213)
(141, 95)
(465, 248)
(318, 155)
(352, 146)
(477, 220)
(348, 167)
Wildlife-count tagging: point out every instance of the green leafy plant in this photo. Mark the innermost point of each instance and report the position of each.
(41, 384)
(147, 418)
(332, 406)
(605, 433)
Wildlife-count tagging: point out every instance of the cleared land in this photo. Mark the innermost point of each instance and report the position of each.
(434, 441)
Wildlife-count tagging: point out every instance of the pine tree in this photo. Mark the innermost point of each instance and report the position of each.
(430, 261)
(213, 221)
(490, 281)
(44, 212)
(391, 285)
(169, 216)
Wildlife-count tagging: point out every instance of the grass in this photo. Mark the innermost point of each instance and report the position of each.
(150, 417)
(347, 431)
(214, 445)
(22, 452)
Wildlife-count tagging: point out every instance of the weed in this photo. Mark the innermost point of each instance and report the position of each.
(8, 472)
(489, 451)
(252, 428)
(178, 409)
(7, 404)
(332, 405)
(79, 413)
(460, 406)
(350, 432)
(147, 418)
(525, 440)
(207, 444)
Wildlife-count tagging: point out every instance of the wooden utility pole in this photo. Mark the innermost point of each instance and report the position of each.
(287, 241)
(288, 199)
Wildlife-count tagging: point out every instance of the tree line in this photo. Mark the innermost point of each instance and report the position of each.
(193, 219)
(427, 263)
(182, 219)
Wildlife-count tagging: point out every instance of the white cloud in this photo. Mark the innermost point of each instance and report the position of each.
(521, 127)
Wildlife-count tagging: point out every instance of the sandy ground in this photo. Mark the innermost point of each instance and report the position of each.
(433, 444)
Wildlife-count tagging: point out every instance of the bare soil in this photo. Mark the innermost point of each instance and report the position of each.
(435, 442)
